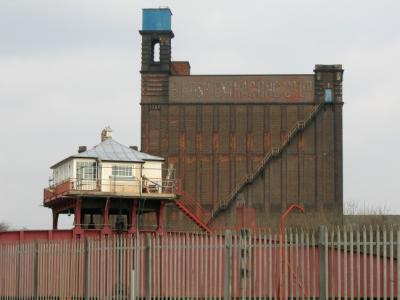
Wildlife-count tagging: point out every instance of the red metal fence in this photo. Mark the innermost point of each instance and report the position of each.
(340, 263)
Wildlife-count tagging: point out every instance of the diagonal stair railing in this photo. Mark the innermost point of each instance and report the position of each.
(273, 153)
(192, 209)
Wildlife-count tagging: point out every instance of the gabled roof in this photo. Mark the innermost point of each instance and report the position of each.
(110, 150)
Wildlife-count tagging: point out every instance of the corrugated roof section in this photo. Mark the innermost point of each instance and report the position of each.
(110, 150)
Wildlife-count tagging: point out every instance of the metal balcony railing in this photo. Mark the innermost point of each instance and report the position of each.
(154, 187)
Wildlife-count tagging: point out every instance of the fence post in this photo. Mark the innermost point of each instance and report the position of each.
(243, 261)
(321, 263)
(87, 267)
(35, 269)
(228, 241)
(147, 262)
(133, 282)
(18, 269)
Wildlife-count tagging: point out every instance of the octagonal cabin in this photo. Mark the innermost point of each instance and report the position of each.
(109, 178)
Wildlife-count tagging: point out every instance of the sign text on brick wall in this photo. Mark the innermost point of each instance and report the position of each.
(248, 88)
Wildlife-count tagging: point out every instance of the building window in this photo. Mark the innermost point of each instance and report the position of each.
(122, 171)
(86, 170)
(156, 51)
(328, 95)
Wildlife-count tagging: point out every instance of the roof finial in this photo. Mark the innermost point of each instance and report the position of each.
(106, 133)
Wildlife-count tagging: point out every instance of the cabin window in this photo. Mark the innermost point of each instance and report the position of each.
(86, 170)
(62, 173)
(122, 171)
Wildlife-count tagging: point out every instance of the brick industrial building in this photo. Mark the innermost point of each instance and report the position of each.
(263, 141)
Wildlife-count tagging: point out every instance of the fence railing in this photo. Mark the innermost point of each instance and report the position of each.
(133, 186)
(338, 263)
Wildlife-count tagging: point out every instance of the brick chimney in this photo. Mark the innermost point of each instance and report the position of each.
(82, 149)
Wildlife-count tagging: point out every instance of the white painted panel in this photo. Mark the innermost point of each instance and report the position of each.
(111, 184)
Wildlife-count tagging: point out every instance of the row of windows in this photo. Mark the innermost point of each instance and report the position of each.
(120, 171)
(62, 172)
(88, 171)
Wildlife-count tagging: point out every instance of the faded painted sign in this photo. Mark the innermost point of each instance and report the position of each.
(247, 88)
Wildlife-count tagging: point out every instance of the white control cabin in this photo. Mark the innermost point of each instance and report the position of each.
(111, 167)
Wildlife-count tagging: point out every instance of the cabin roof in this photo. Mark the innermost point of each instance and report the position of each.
(111, 150)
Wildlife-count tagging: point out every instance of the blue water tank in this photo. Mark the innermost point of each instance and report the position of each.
(156, 19)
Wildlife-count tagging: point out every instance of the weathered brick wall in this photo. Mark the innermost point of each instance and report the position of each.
(214, 146)
(215, 136)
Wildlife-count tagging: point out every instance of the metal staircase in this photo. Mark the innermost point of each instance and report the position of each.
(193, 210)
(273, 153)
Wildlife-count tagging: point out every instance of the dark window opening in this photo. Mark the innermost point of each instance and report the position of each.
(156, 51)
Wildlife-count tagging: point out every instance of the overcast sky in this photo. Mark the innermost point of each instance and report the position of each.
(69, 68)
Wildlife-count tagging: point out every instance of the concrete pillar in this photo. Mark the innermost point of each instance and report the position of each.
(55, 220)
(78, 231)
(106, 217)
(133, 218)
(78, 213)
(160, 218)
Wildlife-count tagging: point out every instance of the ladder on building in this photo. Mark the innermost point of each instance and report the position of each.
(273, 153)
